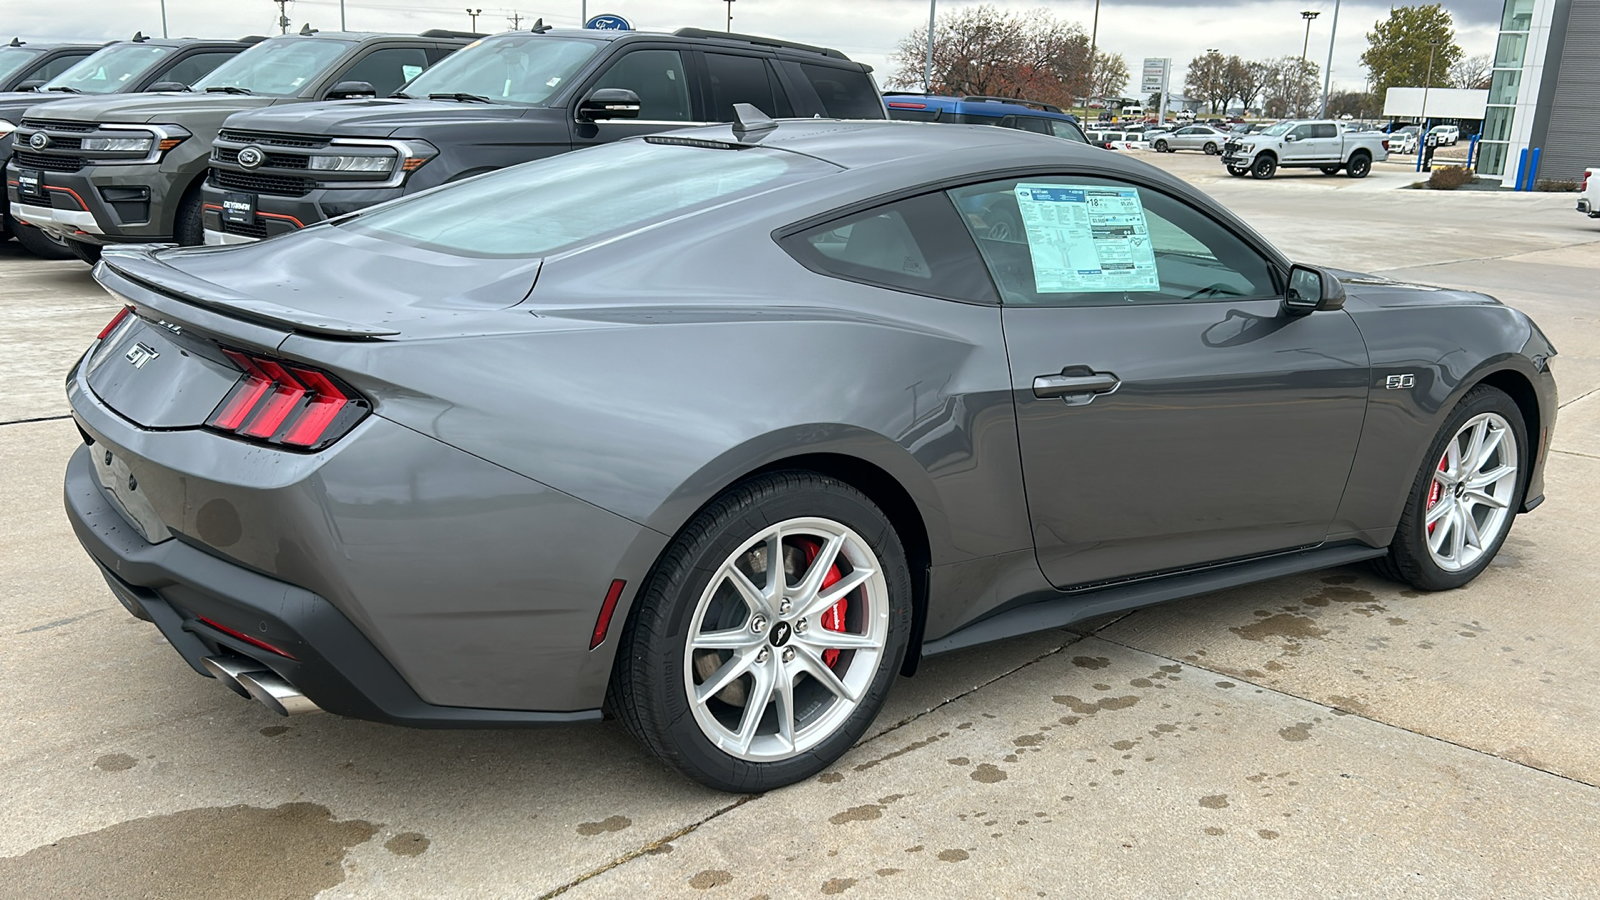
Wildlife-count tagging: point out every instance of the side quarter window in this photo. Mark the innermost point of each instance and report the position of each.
(1084, 241)
(916, 245)
(658, 77)
(739, 79)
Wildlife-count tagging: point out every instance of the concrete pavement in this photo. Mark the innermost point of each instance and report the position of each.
(1328, 734)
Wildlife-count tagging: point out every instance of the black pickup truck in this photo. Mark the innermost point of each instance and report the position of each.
(508, 99)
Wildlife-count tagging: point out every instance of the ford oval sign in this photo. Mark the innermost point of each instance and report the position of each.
(251, 158)
(608, 22)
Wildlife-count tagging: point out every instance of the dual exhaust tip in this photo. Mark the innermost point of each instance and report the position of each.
(248, 678)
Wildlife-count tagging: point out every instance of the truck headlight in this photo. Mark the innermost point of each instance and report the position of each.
(352, 163)
(130, 144)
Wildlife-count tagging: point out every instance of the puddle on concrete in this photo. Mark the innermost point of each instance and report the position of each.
(292, 852)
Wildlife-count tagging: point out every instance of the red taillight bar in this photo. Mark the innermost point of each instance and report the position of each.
(283, 403)
(244, 395)
(901, 104)
(115, 321)
(326, 402)
(286, 393)
(254, 642)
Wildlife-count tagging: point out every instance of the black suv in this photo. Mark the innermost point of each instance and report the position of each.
(129, 170)
(125, 67)
(25, 66)
(508, 99)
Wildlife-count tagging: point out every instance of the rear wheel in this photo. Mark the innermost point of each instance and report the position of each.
(1162, 147)
(1360, 165)
(766, 639)
(38, 241)
(1466, 496)
(1211, 148)
(1264, 167)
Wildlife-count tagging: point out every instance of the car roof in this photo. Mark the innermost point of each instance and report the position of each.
(789, 50)
(992, 107)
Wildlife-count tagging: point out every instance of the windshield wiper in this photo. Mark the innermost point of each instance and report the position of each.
(64, 89)
(460, 98)
(228, 89)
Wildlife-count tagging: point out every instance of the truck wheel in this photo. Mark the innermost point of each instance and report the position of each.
(1211, 148)
(189, 228)
(89, 253)
(1264, 167)
(1360, 165)
(1330, 170)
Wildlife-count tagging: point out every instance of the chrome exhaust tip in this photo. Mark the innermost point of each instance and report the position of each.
(227, 670)
(276, 694)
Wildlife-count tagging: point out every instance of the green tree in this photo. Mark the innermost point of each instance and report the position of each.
(1398, 48)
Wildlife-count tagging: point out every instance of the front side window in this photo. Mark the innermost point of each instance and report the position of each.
(56, 66)
(521, 68)
(561, 202)
(13, 59)
(916, 245)
(388, 68)
(658, 77)
(281, 67)
(842, 93)
(1304, 131)
(1276, 129)
(113, 68)
(1084, 241)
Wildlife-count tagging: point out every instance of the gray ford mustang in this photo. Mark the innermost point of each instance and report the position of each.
(727, 428)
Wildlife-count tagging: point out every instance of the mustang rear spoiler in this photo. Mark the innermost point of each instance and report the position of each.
(137, 263)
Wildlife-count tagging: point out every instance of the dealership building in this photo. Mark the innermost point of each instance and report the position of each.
(1542, 120)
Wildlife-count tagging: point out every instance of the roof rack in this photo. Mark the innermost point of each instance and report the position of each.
(756, 39)
(447, 33)
(1035, 104)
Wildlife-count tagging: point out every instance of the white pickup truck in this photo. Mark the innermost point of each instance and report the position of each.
(1589, 194)
(1304, 144)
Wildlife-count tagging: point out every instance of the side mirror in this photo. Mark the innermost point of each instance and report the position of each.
(609, 103)
(32, 84)
(167, 87)
(1310, 290)
(353, 90)
(1290, 137)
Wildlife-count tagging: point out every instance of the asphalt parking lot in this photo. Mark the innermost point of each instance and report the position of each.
(1321, 735)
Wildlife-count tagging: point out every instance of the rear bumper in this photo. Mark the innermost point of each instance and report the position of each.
(1587, 208)
(174, 584)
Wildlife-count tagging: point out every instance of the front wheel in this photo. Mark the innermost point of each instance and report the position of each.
(1360, 165)
(766, 639)
(1238, 171)
(39, 242)
(1264, 167)
(1162, 147)
(1465, 497)
(1211, 149)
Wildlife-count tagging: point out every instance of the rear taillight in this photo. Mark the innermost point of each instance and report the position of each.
(115, 321)
(1582, 190)
(286, 404)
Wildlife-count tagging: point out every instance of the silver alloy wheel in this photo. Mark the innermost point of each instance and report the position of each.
(773, 670)
(1469, 499)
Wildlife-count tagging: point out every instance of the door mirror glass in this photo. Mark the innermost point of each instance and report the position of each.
(1312, 289)
(610, 103)
(352, 90)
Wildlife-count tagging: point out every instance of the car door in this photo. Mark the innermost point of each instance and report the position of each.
(1183, 138)
(1299, 145)
(1169, 413)
(668, 97)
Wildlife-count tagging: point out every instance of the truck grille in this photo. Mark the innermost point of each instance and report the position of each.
(47, 162)
(255, 231)
(230, 156)
(270, 139)
(53, 125)
(261, 184)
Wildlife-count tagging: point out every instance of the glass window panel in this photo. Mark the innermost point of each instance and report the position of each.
(1510, 51)
(1503, 86)
(1497, 123)
(1518, 15)
(1492, 158)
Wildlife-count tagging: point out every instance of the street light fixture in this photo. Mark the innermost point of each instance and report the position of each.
(474, 13)
(1308, 15)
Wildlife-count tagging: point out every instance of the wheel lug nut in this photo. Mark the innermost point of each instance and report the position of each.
(758, 624)
(788, 654)
(763, 655)
(801, 626)
(785, 606)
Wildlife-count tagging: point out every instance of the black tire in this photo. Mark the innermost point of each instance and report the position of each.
(89, 253)
(189, 227)
(1360, 165)
(1330, 170)
(37, 241)
(1264, 167)
(1237, 172)
(1163, 147)
(1211, 149)
(648, 690)
(1409, 561)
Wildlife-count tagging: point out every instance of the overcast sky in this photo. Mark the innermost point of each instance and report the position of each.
(867, 30)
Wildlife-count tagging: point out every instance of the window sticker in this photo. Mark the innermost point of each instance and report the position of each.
(1087, 238)
(409, 72)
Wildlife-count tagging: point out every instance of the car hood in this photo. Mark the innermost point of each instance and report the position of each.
(14, 103)
(1375, 290)
(141, 108)
(326, 280)
(371, 118)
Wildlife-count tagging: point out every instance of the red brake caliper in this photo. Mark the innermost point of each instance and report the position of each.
(833, 619)
(1435, 491)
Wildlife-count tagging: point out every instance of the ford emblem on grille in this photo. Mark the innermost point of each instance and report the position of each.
(251, 157)
(39, 141)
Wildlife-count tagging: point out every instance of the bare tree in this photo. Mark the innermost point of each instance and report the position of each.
(1110, 75)
(993, 52)
(1207, 79)
(1295, 88)
(1472, 73)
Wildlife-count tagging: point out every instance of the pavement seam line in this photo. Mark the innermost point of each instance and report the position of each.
(31, 421)
(634, 854)
(1577, 398)
(1575, 453)
(1466, 259)
(1350, 712)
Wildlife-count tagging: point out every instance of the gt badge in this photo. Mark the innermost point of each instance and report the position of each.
(1400, 382)
(141, 354)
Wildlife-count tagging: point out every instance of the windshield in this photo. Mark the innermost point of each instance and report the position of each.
(1278, 129)
(280, 67)
(525, 68)
(551, 204)
(12, 59)
(112, 69)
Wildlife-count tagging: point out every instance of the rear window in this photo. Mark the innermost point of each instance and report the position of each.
(552, 204)
(843, 93)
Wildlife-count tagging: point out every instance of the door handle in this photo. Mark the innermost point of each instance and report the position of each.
(1074, 380)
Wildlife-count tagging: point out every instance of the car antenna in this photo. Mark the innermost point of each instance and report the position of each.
(16, 42)
(306, 30)
(747, 119)
(539, 27)
(139, 38)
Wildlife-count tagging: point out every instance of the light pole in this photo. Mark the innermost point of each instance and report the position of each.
(474, 13)
(1427, 83)
(1327, 73)
(163, 18)
(927, 65)
(1308, 15)
(341, 16)
(730, 15)
(1094, 37)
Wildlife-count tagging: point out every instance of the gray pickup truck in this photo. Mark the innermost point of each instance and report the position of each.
(1304, 144)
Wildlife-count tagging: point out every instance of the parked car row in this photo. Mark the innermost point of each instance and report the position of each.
(258, 147)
